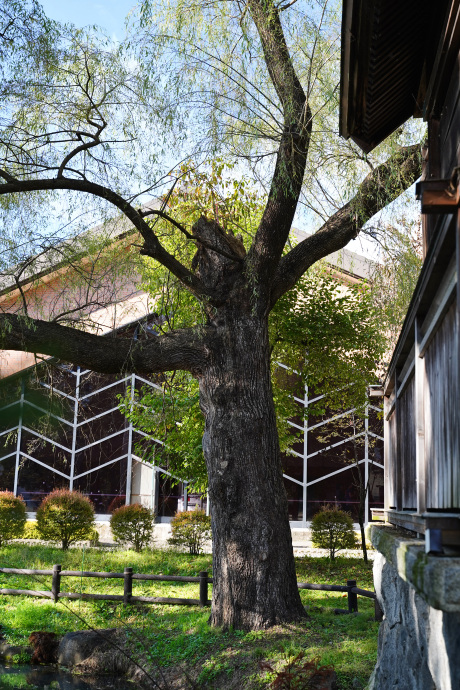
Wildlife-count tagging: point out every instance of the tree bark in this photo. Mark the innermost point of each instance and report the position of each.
(255, 582)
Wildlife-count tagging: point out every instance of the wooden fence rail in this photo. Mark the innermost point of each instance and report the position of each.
(128, 576)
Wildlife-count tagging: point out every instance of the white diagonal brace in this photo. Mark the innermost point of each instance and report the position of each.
(335, 445)
(331, 474)
(105, 388)
(43, 464)
(291, 479)
(8, 431)
(45, 438)
(10, 455)
(51, 414)
(99, 467)
(101, 440)
(101, 414)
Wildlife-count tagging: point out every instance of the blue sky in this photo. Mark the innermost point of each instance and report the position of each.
(109, 14)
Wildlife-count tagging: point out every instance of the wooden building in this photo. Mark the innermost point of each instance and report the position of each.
(401, 59)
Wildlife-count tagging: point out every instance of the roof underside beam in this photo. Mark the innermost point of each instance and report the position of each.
(384, 48)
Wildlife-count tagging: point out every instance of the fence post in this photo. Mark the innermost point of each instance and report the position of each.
(128, 582)
(56, 582)
(378, 610)
(203, 588)
(352, 597)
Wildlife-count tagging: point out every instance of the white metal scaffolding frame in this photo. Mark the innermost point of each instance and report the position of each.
(367, 460)
(74, 424)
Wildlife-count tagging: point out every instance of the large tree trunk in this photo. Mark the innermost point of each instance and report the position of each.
(255, 584)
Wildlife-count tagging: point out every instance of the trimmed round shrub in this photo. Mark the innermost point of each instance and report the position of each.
(30, 530)
(94, 537)
(190, 529)
(132, 524)
(65, 516)
(12, 516)
(332, 529)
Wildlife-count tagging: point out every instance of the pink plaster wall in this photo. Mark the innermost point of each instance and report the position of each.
(102, 297)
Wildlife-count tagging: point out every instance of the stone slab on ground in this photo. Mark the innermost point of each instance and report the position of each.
(8, 651)
(98, 652)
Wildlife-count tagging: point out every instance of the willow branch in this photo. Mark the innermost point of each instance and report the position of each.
(152, 246)
(382, 186)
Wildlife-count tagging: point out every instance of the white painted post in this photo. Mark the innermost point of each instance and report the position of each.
(305, 455)
(366, 464)
(153, 505)
(74, 428)
(18, 441)
(129, 468)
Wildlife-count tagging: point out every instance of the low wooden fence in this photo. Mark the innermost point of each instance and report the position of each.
(128, 576)
(352, 595)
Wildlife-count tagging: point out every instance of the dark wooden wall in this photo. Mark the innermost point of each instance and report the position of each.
(442, 406)
(449, 126)
(391, 467)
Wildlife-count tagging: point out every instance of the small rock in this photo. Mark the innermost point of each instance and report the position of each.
(44, 645)
(324, 679)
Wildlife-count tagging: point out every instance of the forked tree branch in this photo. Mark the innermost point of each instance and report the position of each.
(188, 235)
(152, 246)
(384, 184)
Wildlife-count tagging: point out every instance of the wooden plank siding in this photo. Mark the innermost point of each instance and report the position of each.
(391, 448)
(422, 383)
(449, 125)
(440, 391)
(406, 446)
(441, 416)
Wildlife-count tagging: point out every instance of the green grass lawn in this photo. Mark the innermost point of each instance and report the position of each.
(178, 638)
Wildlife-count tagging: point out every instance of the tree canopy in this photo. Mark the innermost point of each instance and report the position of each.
(90, 129)
(327, 332)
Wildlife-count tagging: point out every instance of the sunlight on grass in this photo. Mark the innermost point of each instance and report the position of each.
(173, 635)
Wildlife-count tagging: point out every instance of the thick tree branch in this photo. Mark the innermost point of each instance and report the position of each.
(277, 57)
(379, 188)
(152, 246)
(170, 219)
(287, 180)
(83, 147)
(180, 349)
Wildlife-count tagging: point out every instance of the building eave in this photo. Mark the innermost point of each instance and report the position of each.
(385, 44)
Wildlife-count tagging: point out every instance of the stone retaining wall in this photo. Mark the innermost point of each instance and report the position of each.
(419, 638)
